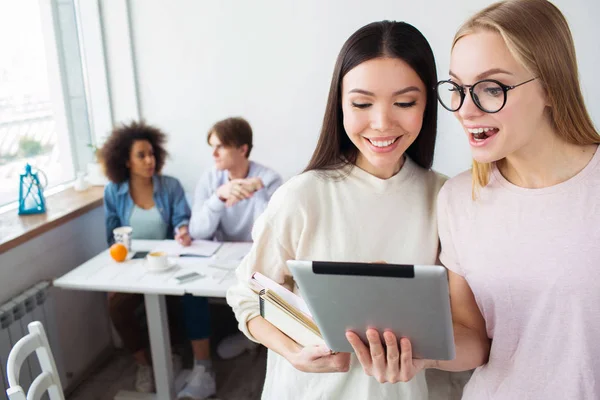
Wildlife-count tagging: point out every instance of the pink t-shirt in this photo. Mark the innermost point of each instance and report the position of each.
(532, 260)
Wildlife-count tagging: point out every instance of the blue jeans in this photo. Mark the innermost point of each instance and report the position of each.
(196, 317)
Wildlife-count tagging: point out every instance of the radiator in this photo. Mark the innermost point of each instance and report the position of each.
(34, 304)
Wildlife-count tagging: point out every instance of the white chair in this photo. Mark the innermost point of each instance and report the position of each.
(48, 381)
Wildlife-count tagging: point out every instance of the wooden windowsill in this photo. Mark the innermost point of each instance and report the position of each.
(60, 208)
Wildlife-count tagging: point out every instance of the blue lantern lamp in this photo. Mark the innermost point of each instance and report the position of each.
(31, 193)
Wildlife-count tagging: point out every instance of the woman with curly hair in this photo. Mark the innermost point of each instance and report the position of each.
(154, 205)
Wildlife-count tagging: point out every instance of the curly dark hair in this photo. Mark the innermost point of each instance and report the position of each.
(116, 150)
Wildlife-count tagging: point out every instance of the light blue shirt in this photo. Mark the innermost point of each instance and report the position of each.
(212, 220)
(169, 199)
(147, 224)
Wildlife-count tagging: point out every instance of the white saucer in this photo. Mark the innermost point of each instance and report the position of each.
(172, 264)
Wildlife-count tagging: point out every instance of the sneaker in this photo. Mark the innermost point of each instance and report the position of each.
(200, 384)
(234, 345)
(144, 379)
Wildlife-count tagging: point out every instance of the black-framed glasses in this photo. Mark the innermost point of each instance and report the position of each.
(489, 95)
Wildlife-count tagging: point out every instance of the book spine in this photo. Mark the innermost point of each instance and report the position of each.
(261, 303)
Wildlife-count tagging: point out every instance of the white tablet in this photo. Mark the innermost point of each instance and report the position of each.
(410, 300)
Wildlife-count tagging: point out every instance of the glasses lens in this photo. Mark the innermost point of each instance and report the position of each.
(489, 95)
(449, 95)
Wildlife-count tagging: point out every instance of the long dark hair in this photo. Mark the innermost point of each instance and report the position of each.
(378, 39)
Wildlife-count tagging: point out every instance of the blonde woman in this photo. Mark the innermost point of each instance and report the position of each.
(520, 233)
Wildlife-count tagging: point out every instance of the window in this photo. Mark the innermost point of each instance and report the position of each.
(42, 94)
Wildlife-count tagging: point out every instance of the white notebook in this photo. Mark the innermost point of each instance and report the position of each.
(286, 311)
(198, 248)
(288, 324)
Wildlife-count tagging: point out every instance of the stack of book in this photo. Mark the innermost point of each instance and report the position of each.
(286, 311)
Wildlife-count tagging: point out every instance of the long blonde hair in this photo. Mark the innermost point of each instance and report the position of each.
(538, 36)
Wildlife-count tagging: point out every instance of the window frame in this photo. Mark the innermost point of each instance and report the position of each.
(77, 81)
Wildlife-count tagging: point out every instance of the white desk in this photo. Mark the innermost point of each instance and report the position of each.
(102, 273)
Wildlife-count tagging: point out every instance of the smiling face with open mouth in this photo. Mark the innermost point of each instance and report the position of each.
(383, 101)
(522, 123)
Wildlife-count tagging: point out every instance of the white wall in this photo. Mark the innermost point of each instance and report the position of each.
(271, 62)
(82, 317)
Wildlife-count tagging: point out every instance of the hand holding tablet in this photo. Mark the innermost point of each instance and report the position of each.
(410, 301)
(394, 363)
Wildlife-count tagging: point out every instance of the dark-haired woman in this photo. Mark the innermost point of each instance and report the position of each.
(154, 205)
(367, 194)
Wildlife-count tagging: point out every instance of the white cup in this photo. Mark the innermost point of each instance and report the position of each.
(122, 234)
(157, 261)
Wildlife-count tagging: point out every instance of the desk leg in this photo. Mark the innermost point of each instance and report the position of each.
(160, 345)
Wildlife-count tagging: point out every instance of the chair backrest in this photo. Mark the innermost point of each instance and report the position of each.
(48, 381)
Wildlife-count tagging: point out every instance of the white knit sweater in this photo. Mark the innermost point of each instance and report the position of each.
(356, 218)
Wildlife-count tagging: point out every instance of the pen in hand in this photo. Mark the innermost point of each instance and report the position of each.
(183, 237)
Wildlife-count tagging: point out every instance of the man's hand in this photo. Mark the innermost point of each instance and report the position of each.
(237, 190)
(234, 189)
(253, 184)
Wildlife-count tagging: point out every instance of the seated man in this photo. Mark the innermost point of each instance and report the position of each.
(230, 197)
(233, 194)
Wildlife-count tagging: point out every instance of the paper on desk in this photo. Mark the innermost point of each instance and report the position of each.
(199, 248)
(230, 254)
(233, 251)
